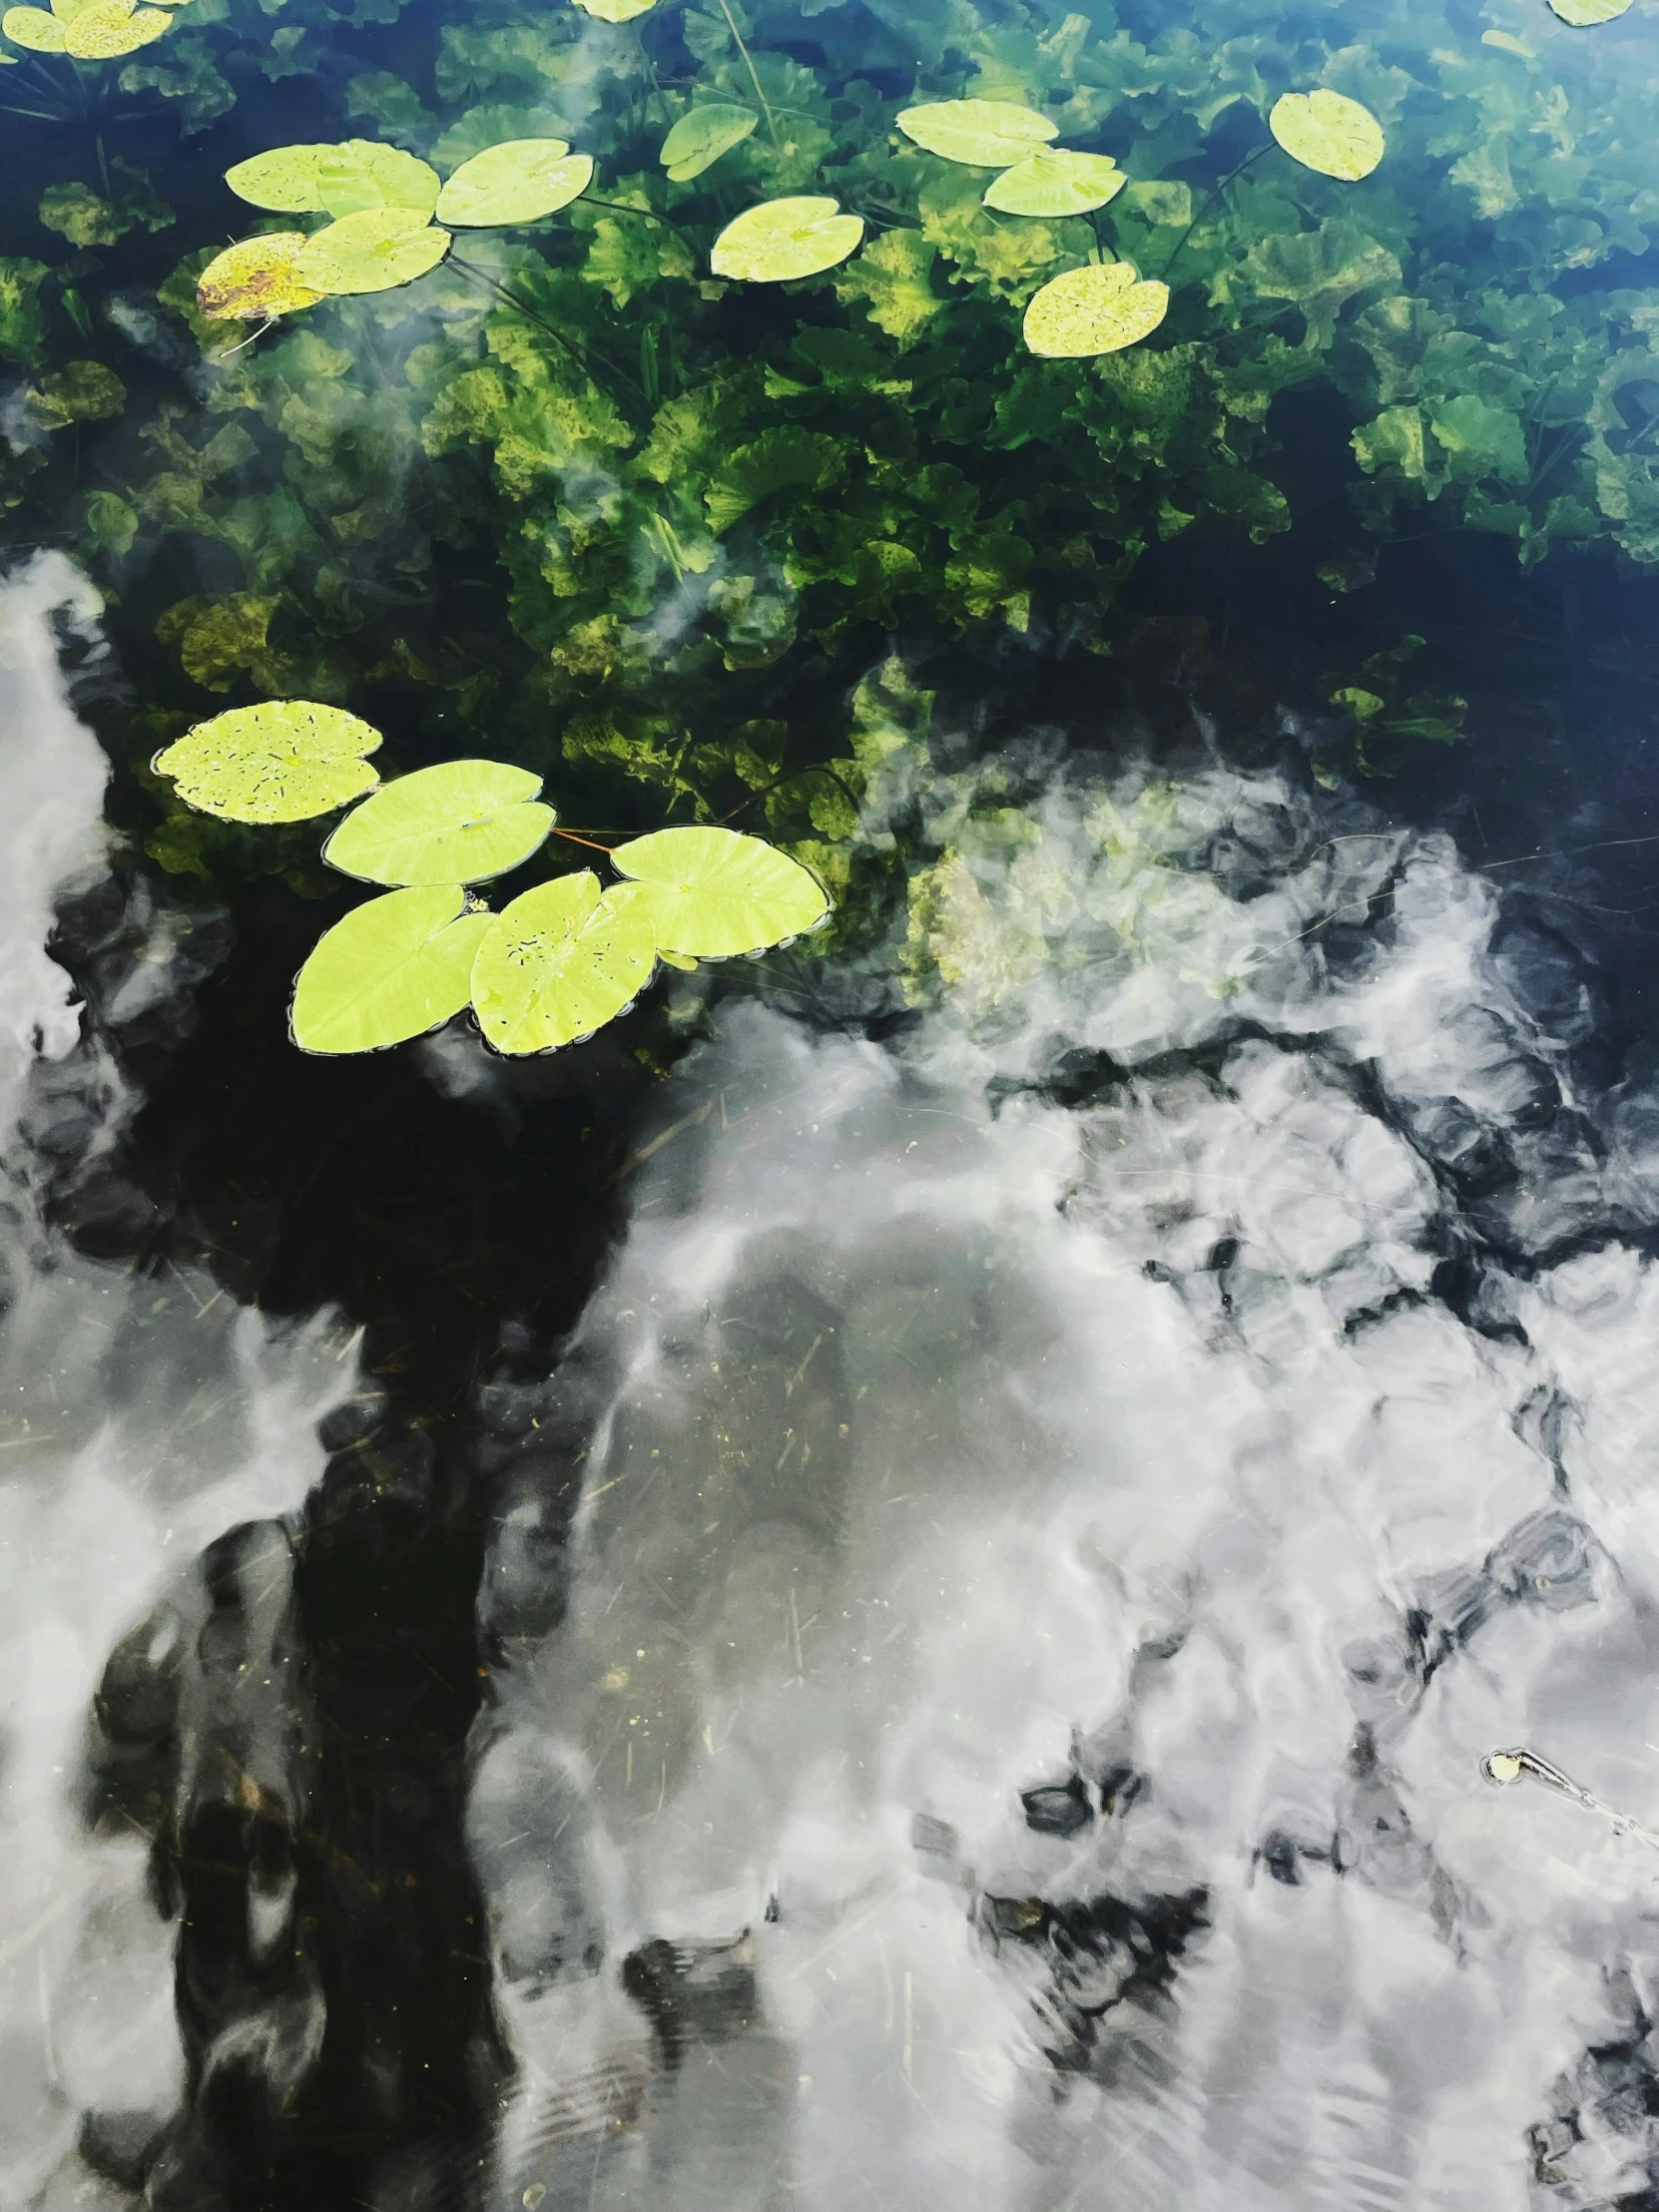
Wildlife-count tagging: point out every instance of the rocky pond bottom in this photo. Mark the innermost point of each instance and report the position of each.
(960, 1674)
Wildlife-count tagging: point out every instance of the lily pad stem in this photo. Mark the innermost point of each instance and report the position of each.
(622, 208)
(519, 306)
(574, 839)
(1208, 204)
(754, 74)
(792, 776)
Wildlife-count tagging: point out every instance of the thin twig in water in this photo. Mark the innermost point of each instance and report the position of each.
(754, 74)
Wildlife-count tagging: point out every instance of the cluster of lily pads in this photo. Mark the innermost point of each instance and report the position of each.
(388, 210)
(88, 30)
(551, 968)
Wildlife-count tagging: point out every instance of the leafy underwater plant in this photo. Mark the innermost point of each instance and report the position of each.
(556, 964)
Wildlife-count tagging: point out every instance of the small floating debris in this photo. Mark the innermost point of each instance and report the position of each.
(1504, 1767)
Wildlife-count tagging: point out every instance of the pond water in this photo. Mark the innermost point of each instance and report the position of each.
(915, 1572)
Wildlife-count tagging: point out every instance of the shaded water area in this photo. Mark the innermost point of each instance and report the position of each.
(885, 1583)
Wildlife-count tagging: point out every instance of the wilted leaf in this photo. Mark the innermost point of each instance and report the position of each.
(459, 822)
(699, 139)
(1329, 132)
(255, 280)
(283, 761)
(984, 134)
(391, 969)
(712, 893)
(1053, 182)
(81, 391)
(371, 252)
(1098, 309)
(783, 240)
(558, 964)
(519, 182)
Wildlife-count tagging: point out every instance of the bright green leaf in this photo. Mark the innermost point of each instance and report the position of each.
(108, 29)
(1329, 132)
(394, 969)
(337, 179)
(287, 179)
(519, 182)
(1582, 14)
(371, 252)
(699, 139)
(457, 823)
(34, 28)
(616, 11)
(283, 761)
(559, 964)
(713, 893)
(786, 239)
(1053, 182)
(985, 133)
(1098, 309)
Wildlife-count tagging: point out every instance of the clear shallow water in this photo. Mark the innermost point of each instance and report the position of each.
(844, 1603)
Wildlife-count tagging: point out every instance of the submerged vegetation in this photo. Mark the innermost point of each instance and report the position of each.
(783, 336)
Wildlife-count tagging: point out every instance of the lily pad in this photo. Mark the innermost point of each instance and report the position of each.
(285, 759)
(985, 133)
(371, 252)
(699, 139)
(336, 179)
(110, 28)
(1053, 182)
(1582, 14)
(713, 893)
(559, 964)
(457, 823)
(519, 182)
(1098, 309)
(616, 11)
(257, 280)
(34, 28)
(1329, 132)
(394, 969)
(786, 239)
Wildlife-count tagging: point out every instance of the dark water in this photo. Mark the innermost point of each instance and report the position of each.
(886, 1584)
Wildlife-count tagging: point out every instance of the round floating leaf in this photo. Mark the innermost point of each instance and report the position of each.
(1098, 309)
(1582, 14)
(392, 970)
(616, 11)
(519, 182)
(1329, 132)
(457, 823)
(67, 10)
(559, 964)
(110, 28)
(283, 761)
(34, 28)
(711, 892)
(1054, 182)
(257, 280)
(985, 133)
(371, 252)
(785, 238)
(699, 139)
(360, 174)
(287, 179)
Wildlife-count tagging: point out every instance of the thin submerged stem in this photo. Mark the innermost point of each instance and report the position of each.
(754, 73)
(1231, 176)
(519, 306)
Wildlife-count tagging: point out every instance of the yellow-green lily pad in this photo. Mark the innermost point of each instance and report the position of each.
(108, 29)
(1583, 14)
(1329, 132)
(33, 27)
(983, 134)
(394, 969)
(783, 240)
(285, 759)
(255, 280)
(711, 892)
(699, 137)
(335, 178)
(1054, 182)
(518, 181)
(616, 11)
(558, 964)
(374, 250)
(459, 822)
(1098, 309)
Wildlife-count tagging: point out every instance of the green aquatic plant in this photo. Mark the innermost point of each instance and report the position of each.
(556, 964)
(88, 30)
